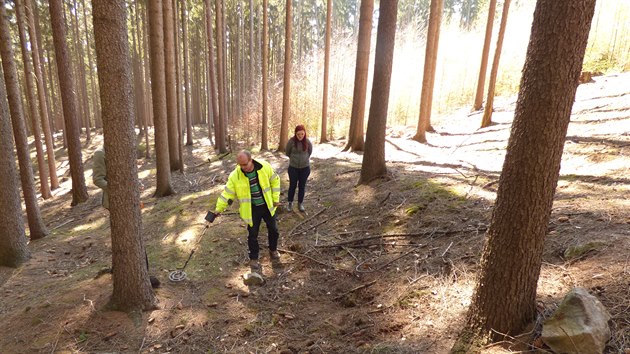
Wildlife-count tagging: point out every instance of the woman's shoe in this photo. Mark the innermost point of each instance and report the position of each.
(301, 207)
(290, 206)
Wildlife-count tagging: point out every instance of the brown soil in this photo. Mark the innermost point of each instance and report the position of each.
(392, 294)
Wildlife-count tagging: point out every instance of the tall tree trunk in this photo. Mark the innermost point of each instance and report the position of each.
(32, 102)
(238, 74)
(189, 124)
(13, 247)
(484, 57)
(252, 74)
(148, 102)
(132, 289)
(138, 74)
(286, 91)
(81, 76)
(96, 109)
(487, 111)
(428, 78)
(41, 95)
(355, 133)
(224, 67)
(222, 113)
(35, 222)
(504, 300)
(171, 86)
(34, 13)
(55, 95)
(69, 103)
(212, 95)
(158, 91)
(265, 88)
(373, 165)
(324, 132)
(178, 75)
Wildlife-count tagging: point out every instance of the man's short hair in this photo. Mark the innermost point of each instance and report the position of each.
(246, 153)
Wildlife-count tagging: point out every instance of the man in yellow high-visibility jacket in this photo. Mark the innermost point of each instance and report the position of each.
(257, 188)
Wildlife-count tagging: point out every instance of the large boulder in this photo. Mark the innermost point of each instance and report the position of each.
(579, 325)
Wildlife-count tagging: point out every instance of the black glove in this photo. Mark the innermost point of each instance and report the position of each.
(210, 217)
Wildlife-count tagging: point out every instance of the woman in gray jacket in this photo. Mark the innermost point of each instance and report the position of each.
(299, 150)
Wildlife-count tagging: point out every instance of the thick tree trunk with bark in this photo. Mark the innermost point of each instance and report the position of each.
(13, 247)
(222, 112)
(428, 78)
(146, 60)
(33, 14)
(212, 95)
(324, 131)
(32, 103)
(355, 133)
(481, 81)
(132, 289)
(138, 72)
(170, 85)
(189, 123)
(41, 96)
(96, 108)
(504, 300)
(373, 165)
(487, 111)
(158, 91)
(286, 90)
(69, 103)
(35, 223)
(82, 77)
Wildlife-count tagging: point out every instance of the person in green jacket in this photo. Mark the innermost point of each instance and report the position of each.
(99, 175)
(256, 187)
(99, 178)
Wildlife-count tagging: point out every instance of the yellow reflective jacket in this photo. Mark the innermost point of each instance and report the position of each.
(237, 187)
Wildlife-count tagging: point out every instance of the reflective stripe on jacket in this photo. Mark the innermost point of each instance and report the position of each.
(238, 188)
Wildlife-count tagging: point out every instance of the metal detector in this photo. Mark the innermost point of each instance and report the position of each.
(180, 275)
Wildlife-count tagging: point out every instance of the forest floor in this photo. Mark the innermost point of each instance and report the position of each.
(384, 268)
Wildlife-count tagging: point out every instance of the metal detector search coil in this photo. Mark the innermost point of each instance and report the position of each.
(180, 275)
(177, 276)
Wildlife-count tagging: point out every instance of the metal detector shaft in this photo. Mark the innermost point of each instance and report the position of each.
(180, 274)
(195, 247)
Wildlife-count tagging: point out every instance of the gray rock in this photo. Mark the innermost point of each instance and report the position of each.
(579, 325)
(253, 279)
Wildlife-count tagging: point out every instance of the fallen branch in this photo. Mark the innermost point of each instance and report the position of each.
(447, 248)
(490, 184)
(209, 159)
(415, 234)
(350, 253)
(60, 225)
(355, 289)
(349, 171)
(386, 264)
(307, 257)
(386, 197)
(382, 244)
(345, 233)
(394, 145)
(326, 220)
(292, 232)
